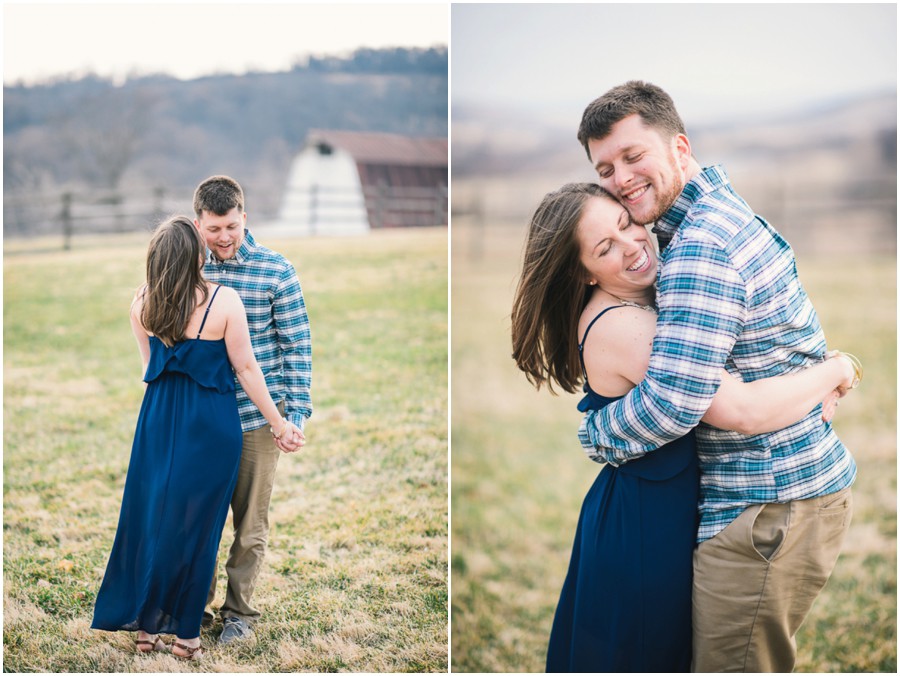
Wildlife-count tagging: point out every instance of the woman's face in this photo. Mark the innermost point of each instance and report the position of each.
(616, 253)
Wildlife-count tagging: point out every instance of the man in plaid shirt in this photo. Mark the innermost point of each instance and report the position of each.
(774, 507)
(279, 331)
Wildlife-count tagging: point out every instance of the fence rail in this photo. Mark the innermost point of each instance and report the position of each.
(315, 208)
(398, 206)
(311, 210)
(75, 213)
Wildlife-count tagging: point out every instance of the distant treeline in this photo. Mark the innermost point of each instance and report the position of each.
(158, 132)
(396, 60)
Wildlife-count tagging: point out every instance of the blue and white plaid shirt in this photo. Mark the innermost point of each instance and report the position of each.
(728, 296)
(279, 327)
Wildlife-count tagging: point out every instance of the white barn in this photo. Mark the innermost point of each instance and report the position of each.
(344, 183)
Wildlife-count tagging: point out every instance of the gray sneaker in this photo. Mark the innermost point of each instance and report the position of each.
(233, 629)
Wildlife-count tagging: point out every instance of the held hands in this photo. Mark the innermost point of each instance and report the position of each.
(290, 438)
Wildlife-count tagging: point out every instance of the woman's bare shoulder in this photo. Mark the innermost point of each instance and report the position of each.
(228, 300)
(224, 294)
(137, 301)
(619, 327)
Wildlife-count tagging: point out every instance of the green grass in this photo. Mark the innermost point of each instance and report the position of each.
(355, 578)
(519, 475)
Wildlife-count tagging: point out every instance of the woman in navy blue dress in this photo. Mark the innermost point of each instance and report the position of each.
(193, 339)
(584, 316)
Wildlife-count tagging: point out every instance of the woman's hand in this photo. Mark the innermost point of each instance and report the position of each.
(848, 368)
(292, 439)
(830, 404)
(852, 376)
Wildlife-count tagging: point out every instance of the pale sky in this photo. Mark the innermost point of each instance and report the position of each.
(714, 58)
(41, 39)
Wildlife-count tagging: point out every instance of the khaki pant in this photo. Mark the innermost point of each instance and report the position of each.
(756, 580)
(250, 517)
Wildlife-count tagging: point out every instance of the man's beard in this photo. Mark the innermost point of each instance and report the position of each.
(664, 200)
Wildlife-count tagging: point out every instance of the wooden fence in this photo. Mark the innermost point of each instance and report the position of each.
(402, 206)
(75, 213)
(71, 213)
(322, 209)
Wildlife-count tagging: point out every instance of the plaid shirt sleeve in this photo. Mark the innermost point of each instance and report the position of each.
(703, 304)
(294, 342)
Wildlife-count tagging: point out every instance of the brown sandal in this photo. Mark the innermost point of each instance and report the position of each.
(155, 645)
(192, 653)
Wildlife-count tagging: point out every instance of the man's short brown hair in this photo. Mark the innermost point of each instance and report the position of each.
(218, 195)
(655, 107)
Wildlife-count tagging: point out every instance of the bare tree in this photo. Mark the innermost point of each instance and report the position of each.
(105, 132)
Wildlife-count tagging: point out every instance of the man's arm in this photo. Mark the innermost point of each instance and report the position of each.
(702, 309)
(294, 342)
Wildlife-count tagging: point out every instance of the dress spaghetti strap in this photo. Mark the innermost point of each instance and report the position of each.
(209, 305)
(584, 338)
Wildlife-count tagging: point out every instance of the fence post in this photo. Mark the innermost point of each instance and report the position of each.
(66, 217)
(313, 207)
(477, 242)
(158, 199)
(117, 201)
(380, 205)
(440, 200)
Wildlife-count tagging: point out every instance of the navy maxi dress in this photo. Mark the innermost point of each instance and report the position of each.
(625, 605)
(183, 469)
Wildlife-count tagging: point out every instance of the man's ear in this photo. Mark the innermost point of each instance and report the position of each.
(682, 150)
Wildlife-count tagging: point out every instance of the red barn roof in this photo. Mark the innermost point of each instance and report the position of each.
(379, 148)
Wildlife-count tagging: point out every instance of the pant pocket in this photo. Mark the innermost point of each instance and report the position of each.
(836, 503)
(770, 529)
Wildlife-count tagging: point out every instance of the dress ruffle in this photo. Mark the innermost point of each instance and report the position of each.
(195, 359)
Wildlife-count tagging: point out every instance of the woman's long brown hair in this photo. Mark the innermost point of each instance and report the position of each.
(552, 291)
(173, 278)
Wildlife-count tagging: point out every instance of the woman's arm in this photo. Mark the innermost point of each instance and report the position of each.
(771, 404)
(618, 357)
(140, 335)
(246, 368)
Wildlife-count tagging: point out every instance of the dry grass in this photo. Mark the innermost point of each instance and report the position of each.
(356, 574)
(519, 476)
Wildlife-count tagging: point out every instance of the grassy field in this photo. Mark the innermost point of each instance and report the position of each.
(356, 574)
(519, 475)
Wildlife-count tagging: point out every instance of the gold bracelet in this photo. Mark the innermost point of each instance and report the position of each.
(283, 429)
(857, 368)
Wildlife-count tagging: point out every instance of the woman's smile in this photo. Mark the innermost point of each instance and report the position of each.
(642, 263)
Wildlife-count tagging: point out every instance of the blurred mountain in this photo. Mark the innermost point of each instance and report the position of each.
(489, 141)
(814, 173)
(160, 132)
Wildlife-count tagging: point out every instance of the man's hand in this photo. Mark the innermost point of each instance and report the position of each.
(292, 440)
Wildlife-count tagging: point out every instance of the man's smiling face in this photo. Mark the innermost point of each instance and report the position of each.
(640, 168)
(223, 234)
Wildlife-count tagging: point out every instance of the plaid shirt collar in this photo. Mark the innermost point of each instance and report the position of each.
(708, 180)
(243, 253)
